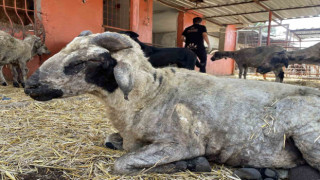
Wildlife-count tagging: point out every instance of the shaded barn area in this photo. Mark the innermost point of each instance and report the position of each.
(63, 139)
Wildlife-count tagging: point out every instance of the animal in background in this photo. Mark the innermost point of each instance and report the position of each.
(254, 57)
(308, 55)
(17, 53)
(162, 57)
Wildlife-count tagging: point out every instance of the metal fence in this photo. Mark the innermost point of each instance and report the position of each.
(116, 15)
(20, 17)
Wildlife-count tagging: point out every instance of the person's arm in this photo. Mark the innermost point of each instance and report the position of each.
(206, 39)
(183, 39)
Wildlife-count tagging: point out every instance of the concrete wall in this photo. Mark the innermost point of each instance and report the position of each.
(165, 39)
(141, 19)
(224, 67)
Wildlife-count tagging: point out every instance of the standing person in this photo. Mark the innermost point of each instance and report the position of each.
(193, 37)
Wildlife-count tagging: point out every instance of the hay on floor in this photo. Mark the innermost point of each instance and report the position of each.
(63, 139)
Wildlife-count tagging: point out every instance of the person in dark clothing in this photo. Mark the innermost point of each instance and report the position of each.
(194, 37)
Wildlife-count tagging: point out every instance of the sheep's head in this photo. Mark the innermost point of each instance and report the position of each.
(85, 65)
(38, 47)
(219, 55)
(131, 34)
(276, 60)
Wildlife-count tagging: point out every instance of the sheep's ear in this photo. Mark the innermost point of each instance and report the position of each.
(130, 33)
(112, 41)
(123, 75)
(85, 33)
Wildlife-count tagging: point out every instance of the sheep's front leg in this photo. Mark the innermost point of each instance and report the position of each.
(245, 71)
(158, 157)
(114, 141)
(279, 74)
(24, 70)
(240, 71)
(2, 79)
(15, 75)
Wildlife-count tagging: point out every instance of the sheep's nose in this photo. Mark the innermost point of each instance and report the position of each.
(27, 91)
(32, 83)
(29, 87)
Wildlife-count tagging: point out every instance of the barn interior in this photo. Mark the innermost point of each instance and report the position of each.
(64, 139)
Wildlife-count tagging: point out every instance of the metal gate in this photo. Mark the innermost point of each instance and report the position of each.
(20, 17)
(116, 15)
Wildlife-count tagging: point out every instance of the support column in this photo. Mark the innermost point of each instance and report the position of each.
(185, 19)
(269, 28)
(134, 15)
(141, 19)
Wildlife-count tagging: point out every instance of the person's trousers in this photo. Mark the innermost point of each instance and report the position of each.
(202, 55)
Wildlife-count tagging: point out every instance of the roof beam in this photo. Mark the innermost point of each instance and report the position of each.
(223, 5)
(299, 30)
(267, 8)
(255, 12)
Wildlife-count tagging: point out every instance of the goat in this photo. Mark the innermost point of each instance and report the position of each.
(168, 115)
(17, 53)
(253, 57)
(309, 55)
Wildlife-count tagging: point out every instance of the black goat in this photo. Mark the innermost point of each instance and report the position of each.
(161, 57)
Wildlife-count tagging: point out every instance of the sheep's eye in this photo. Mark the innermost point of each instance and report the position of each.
(74, 67)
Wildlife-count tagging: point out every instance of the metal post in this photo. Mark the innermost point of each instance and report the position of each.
(5, 11)
(269, 28)
(15, 9)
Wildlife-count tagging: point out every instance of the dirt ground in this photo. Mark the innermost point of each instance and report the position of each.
(63, 139)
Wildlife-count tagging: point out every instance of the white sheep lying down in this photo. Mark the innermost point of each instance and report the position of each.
(171, 114)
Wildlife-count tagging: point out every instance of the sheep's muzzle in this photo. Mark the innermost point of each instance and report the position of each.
(40, 92)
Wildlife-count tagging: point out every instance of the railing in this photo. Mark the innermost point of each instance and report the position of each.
(20, 17)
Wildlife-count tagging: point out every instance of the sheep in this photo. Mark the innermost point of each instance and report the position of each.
(309, 55)
(162, 57)
(168, 115)
(253, 57)
(17, 53)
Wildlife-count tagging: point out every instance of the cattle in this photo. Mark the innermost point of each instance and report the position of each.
(253, 57)
(309, 55)
(168, 115)
(17, 53)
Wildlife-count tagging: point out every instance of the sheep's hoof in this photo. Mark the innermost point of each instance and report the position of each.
(248, 173)
(114, 141)
(303, 172)
(259, 174)
(199, 164)
(15, 84)
(269, 174)
(110, 146)
(4, 84)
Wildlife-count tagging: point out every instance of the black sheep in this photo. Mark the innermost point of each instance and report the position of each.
(161, 57)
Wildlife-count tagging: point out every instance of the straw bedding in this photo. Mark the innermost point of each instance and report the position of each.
(63, 139)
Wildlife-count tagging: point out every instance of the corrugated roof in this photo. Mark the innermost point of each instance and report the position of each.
(307, 33)
(224, 12)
